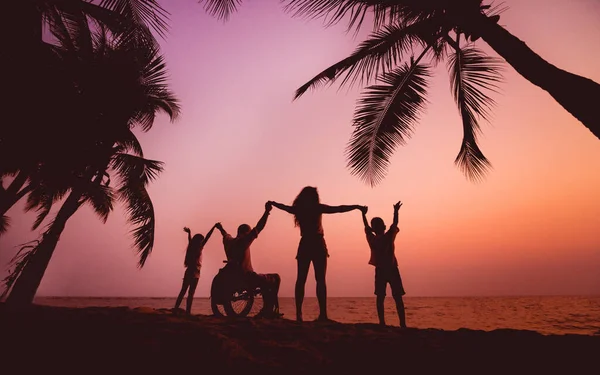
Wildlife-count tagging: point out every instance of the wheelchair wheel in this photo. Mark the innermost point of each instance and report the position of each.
(240, 303)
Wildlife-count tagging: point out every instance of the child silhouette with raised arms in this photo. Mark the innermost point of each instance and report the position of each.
(192, 263)
(383, 257)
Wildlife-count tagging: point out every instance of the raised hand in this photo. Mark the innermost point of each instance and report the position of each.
(364, 209)
(398, 205)
(268, 206)
(186, 230)
(218, 226)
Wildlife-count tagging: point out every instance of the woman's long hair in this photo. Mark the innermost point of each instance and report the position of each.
(192, 250)
(305, 204)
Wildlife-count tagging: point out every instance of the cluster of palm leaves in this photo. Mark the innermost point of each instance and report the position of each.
(99, 75)
(409, 38)
(388, 111)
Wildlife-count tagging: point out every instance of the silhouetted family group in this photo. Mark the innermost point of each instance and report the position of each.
(307, 211)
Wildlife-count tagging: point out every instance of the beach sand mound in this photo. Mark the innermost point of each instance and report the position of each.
(144, 340)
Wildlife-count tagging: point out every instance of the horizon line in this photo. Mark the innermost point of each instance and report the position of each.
(359, 296)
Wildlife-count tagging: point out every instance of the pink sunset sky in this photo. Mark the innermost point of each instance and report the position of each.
(532, 227)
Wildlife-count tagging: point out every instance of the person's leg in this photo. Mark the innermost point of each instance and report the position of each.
(190, 298)
(303, 266)
(401, 312)
(380, 309)
(380, 286)
(184, 288)
(272, 282)
(320, 267)
(266, 289)
(398, 292)
(276, 284)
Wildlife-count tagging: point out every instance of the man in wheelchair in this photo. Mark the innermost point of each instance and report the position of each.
(237, 250)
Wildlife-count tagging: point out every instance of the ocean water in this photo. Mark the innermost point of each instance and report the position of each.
(547, 315)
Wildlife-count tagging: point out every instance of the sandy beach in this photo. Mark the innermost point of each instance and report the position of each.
(120, 340)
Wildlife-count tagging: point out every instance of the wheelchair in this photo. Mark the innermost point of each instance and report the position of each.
(232, 295)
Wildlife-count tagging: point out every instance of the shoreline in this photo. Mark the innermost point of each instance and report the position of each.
(121, 339)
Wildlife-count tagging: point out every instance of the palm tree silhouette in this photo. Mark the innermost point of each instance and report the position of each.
(387, 112)
(41, 96)
(118, 86)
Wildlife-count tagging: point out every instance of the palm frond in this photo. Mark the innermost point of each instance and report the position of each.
(135, 173)
(100, 196)
(384, 118)
(334, 11)
(59, 29)
(76, 23)
(473, 75)
(385, 12)
(157, 96)
(43, 211)
(140, 210)
(47, 189)
(378, 54)
(142, 12)
(19, 261)
(4, 224)
(131, 167)
(42, 197)
(222, 9)
(130, 143)
(496, 9)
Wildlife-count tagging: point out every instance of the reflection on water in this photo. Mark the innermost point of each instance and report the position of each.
(547, 315)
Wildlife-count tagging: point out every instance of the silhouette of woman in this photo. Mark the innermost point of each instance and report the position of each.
(192, 263)
(308, 211)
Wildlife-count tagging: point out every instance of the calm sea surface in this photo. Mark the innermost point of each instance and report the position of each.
(547, 315)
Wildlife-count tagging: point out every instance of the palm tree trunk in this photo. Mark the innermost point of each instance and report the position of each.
(578, 95)
(29, 280)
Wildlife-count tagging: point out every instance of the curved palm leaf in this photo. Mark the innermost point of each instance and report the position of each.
(378, 54)
(384, 118)
(333, 11)
(101, 198)
(385, 12)
(142, 12)
(472, 74)
(48, 186)
(156, 94)
(135, 173)
(4, 223)
(130, 143)
(222, 9)
(19, 261)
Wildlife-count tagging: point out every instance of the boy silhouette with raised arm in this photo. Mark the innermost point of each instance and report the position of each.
(383, 257)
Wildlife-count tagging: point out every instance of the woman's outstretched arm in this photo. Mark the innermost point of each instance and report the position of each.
(210, 232)
(338, 209)
(288, 209)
